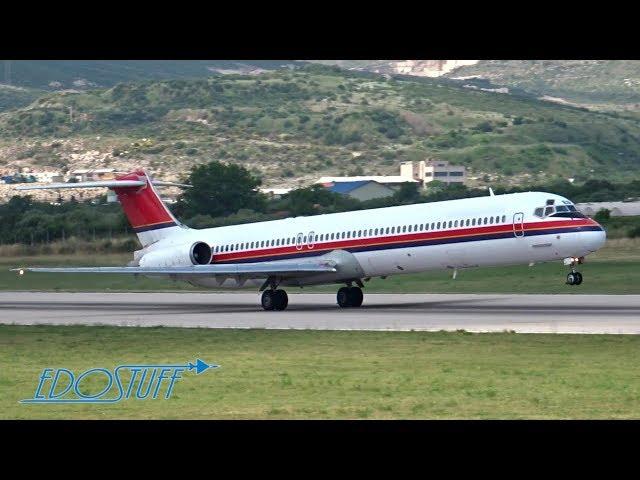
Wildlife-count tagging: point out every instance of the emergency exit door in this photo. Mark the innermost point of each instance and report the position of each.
(518, 224)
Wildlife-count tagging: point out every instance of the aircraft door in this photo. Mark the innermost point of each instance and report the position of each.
(311, 240)
(518, 224)
(299, 241)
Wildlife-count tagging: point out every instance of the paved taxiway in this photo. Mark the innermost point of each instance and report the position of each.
(476, 313)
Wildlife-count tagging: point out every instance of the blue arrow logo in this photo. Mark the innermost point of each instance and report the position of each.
(200, 366)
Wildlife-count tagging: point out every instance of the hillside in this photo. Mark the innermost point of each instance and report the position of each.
(85, 74)
(290, 127)
(589, 82)
(419, 68)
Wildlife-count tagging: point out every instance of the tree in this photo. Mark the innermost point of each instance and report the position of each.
(602, 215)
(219, 189)
(316, 199)
(408, 193)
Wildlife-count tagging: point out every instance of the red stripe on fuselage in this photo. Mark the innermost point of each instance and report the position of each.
(221, 257)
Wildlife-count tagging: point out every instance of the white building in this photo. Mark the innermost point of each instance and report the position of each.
(617, 209)
(47, 177)
(430, 170)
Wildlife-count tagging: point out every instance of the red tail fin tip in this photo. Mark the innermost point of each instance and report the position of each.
(142, 205)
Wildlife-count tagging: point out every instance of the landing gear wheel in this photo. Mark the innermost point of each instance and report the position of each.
(268, 300)
(281, 300)
(574, 278)
(343, 297)
(355, 297)
(578, 278)
(350, 297)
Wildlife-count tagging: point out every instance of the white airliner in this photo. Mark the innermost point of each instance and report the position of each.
(347, 248)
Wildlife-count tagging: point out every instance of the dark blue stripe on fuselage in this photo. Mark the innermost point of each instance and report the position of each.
(415, 243)
(158, 226)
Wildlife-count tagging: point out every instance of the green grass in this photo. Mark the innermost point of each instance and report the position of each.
(614, 269)
(304, 374)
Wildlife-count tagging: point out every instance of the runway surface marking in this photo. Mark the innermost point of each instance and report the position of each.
(399, 312)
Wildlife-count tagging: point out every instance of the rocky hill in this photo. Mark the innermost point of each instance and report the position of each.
(292, 126)
(587, 82)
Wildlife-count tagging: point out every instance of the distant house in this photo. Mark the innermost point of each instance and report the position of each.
(361, 190)
(84, 175)
(391, 181)
(617, 209)
(275, 192)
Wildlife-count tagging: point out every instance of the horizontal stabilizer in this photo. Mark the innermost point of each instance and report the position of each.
(102, 184)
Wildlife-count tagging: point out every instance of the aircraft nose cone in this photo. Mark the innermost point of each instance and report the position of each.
(593, 241)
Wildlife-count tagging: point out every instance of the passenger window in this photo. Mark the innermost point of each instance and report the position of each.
(504, 218)
(438, 225)
(404, 228)
(433, 225)
(455, 224)
(359, 233)
(491, 220)
(387, 230)
(467, 222)
(485, 220)
(450, 224)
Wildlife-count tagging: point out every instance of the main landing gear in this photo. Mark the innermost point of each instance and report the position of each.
(574, 277)
(275, 299)
(350, 297)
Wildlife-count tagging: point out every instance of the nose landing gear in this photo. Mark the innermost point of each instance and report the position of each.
(574, 277)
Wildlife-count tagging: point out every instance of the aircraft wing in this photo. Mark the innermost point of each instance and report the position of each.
(247, 270)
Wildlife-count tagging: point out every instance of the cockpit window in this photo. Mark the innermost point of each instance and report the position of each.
(551, 201)
(567, 210)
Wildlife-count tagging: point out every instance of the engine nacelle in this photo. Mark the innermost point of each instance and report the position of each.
(198, 253)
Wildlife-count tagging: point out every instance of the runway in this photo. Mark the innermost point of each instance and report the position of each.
(399, 312)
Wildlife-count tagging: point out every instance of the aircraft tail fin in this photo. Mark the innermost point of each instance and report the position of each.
(147, 214)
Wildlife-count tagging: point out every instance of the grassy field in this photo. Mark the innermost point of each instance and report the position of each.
(614, 269)
(304, 374)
